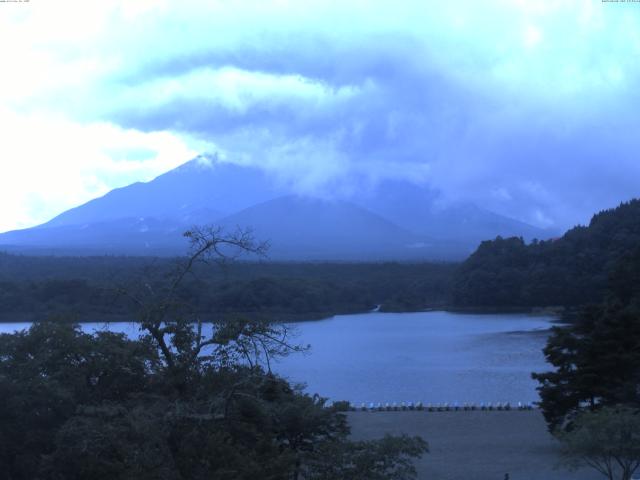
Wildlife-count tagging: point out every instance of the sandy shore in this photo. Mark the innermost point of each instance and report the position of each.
(475, 445)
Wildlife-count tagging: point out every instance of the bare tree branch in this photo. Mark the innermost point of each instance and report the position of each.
(177, 329)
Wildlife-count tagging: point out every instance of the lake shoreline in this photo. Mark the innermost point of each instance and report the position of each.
(432, 357)
(74, 317)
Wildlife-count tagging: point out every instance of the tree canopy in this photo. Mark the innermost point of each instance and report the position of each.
(607, 440)
(597, 358)
(176, 403)
(569, 271)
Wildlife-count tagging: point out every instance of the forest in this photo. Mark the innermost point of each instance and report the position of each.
(569, 271)
(88, 288)
(504, 273)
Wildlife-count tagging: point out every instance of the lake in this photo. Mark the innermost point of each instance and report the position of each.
(433, 357)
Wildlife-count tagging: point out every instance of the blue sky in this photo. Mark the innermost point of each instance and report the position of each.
(526, 108)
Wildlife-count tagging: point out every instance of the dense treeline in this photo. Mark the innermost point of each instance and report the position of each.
(569, 271)
(87, 288)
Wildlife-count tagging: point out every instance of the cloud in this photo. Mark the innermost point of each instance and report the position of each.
(207, 101)
(526, 108)
(50, 164)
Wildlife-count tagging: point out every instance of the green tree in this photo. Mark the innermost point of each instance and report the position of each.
(390, 458)
(49, 371)
(597, 358)
(182, 401)
(571, 270)
(607, 440)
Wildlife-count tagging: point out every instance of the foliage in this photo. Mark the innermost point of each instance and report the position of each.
(51, 370)
(570, 271)
(389, 458)
(607, 440)
(176, 403)
(597, 359)
(341, 406)
(84, 287)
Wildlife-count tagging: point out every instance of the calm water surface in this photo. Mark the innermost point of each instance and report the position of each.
(431, 357)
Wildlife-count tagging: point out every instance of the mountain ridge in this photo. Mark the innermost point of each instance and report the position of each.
(395, 220)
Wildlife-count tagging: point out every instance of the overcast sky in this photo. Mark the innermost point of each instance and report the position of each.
(528, 108)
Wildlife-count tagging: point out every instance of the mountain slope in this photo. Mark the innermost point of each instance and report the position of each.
(298, 227)
(396, 220)
(132, 236)
(416, 209)
(195, 191)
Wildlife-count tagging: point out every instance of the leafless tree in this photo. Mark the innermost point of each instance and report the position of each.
(177, 329)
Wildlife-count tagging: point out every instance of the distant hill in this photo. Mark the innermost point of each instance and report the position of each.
(396, 220)
(416, 209)
(297, 228)
(314, 229)
(571, 270)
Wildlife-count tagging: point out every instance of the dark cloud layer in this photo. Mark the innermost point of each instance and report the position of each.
(526, 110)
(546, 166)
